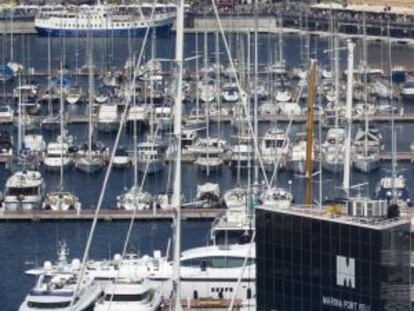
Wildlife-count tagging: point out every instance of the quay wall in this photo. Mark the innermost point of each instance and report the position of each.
(247, 23)
(20, 26)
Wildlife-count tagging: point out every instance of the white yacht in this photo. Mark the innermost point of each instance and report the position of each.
(90, 160)
(333, 150)
(283, 95)
(289, 108)
(6, 115)
(133, 199)
(188, 137)
(208, 196)
(57, 155)
(162, 119)
(56, 291)
(127, 294)
(230, 92)
(208, 91)
(34, 143)
(241, 155)
(209, 153)
(24, 190)
(297, 155)
(61, 201)
(138, 115)
(274, 196)
(101, 19)
(150, 159)
(274, 148)
(121, 158)
(408, 89)
(74, 95)
(108, 118)
(366, 150)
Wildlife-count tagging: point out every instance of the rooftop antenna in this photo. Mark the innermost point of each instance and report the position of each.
(309, 132)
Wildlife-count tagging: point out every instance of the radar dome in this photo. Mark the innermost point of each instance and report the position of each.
(117, 257)
(76, 264)
(47, 265)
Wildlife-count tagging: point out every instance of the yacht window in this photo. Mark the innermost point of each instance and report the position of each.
(120, 297)
(22, 191)
(249, 293)
(217, 262)
(48, 305)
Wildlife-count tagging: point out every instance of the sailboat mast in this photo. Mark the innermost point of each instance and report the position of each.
(364, 64)
(349, 90)
(336, 73)
(256, 126)
(197, 65)
(135, 137)
(91, 93)
(205, 83)
(179, 51)
(49, 75)
(393, 133)
(19, 124)
(62, 134)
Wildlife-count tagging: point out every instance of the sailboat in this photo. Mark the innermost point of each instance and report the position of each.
(90, 159)
(61, 199)
(393, 188)
(51, 122)
(367, 144)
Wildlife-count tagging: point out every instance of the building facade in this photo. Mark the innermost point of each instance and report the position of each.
(307, 262)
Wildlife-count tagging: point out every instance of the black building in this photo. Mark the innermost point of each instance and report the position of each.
(309, 260)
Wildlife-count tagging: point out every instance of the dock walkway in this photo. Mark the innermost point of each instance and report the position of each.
(107, 214)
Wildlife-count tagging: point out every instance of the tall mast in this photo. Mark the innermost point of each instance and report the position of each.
(336, 73)
(348, 117)
(205, 82)
(197, 91)
(365, 69)
(19, 123)
(179, 47)
(256, 160)
(62, 134)
(91, 92)
(393, 134)
(49, 74)
(309, 133)
(280, 39)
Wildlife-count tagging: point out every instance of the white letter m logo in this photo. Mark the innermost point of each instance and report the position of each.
(345, 271)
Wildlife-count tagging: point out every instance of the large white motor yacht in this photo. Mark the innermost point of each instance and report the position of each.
(24, 190)
(130, 295)
(57, 155)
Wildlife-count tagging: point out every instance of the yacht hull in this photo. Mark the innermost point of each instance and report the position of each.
(22, 205)
(89, 166)
(56, 168)
(366, 165)
(161, 29)
(333, 167)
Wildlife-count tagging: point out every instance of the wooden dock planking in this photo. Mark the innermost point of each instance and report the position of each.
(107, 214)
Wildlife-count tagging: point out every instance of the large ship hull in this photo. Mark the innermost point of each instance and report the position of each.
(161, 29)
